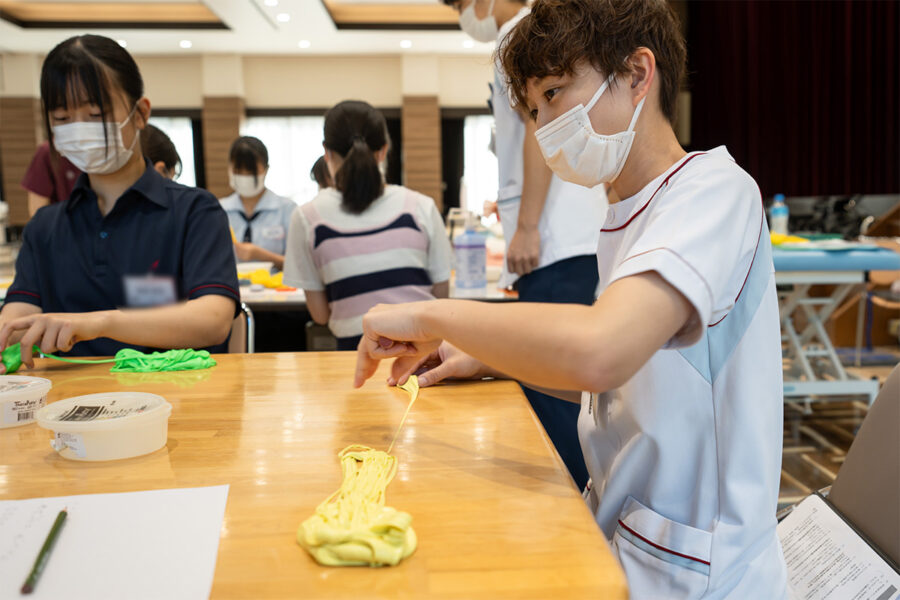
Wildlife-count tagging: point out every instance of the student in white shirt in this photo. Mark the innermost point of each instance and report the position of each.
(680, 356)
(551, 226)
(361, 242)
(259, 217)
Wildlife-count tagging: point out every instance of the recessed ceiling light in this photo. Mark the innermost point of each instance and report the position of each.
(304, 43)
(283, 17)
(271, 2)
(122, 43)
(185, 43)
(468, 44)
(406, 43)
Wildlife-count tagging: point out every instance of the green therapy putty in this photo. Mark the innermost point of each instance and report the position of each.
(127, 360)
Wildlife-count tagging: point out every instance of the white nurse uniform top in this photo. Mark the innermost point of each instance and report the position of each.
(685, 458)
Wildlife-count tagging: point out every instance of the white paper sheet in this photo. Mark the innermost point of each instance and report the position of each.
(137, 545)
(827, 560)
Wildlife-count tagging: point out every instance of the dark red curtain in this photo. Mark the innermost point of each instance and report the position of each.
(805, 94)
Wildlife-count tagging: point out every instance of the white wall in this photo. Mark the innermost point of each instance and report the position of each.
(172, 82)
(288, 82)
(318, 82)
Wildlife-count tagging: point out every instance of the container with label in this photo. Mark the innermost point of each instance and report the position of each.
(20, 399)
(779, 215)
(470, 248)
(107, 426)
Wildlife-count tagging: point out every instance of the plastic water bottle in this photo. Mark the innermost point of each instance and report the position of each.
(778, 215)
(470, 248)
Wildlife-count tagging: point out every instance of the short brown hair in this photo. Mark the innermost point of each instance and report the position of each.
(560, 33)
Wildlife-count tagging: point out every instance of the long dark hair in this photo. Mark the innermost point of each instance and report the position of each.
(247, 153)
(355, 131)
(88, 69)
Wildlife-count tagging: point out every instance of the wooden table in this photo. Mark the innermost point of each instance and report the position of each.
(496, 514)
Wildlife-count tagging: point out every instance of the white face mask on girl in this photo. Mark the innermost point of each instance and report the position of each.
(85, 145)
(480, 30)
(576, 153)
(247, 186)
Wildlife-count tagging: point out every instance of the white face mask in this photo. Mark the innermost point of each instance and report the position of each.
(576, 153)
(85, 145)
(246, 186)
(480, 30)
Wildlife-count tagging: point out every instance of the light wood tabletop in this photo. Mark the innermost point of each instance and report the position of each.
(496, 514)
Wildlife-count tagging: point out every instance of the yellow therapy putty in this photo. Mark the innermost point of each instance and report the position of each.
(353, 527)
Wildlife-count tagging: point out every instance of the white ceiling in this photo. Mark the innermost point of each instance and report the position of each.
(255, 29)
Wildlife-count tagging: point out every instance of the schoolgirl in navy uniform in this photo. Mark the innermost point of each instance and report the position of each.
(130, 259)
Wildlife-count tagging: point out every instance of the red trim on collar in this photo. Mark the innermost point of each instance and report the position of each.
(665, 181)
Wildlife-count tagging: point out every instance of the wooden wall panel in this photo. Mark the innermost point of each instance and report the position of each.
(222, 118)
(21, 131)
(422, 146)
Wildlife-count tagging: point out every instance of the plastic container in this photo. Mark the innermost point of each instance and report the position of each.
(107, 426)
(20, 399)
(778, 215)
(249, 267)
(470, 248)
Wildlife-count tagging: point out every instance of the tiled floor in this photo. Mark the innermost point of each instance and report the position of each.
(817, 437)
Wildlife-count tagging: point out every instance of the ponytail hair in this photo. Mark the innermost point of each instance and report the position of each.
(355, 131)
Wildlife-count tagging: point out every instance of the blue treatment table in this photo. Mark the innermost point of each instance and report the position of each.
(815, 369)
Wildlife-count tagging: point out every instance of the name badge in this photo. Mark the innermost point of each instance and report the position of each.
(273, 233)
(142, 291)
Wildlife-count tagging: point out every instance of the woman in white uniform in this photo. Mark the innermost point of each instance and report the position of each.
(680, 356)
(259, 217)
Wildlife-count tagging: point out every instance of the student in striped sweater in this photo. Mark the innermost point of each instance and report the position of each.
(361, 242)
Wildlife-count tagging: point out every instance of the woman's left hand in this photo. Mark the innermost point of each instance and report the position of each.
(53, 331)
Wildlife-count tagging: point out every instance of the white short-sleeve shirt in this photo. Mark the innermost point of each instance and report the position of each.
(572, 216)
(685, 458)
(269, 227)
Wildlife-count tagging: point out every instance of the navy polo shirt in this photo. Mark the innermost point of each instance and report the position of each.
(73, 259)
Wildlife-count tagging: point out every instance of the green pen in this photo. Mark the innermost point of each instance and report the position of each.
(44, 554)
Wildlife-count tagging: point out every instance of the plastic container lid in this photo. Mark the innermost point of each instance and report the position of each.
(101, 411)
(20, 399)
(249, 267)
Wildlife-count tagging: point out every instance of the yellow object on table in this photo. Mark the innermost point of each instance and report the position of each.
(353, 527)
(780, 238)
(264, 278)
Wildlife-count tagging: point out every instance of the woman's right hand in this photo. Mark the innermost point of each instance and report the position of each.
(245, 251)
(447, 362)
(394, 331)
